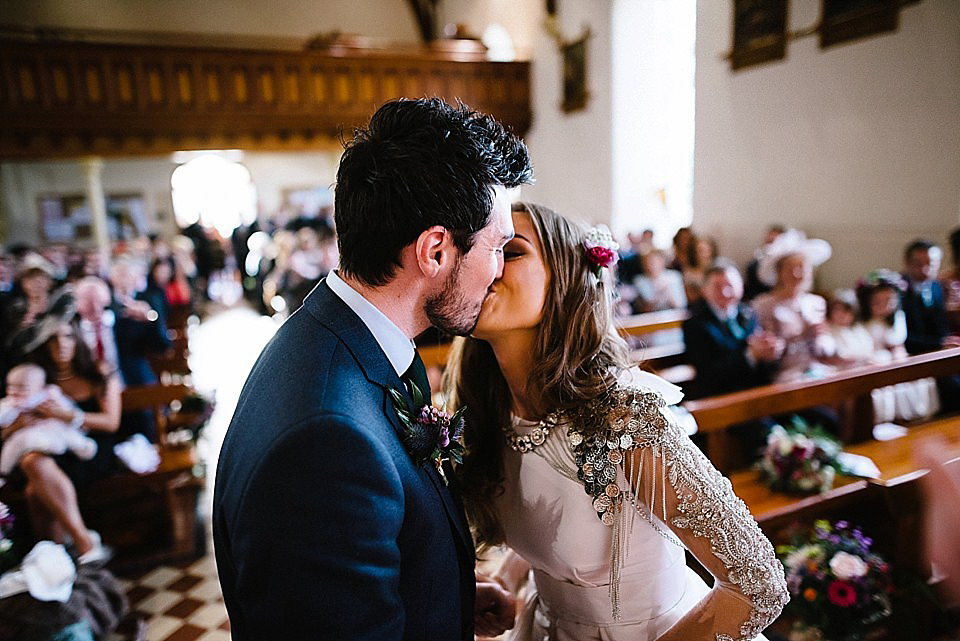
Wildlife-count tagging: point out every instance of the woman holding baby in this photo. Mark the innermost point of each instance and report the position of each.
(54, 344)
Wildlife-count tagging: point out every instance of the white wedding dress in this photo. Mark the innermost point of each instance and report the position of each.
(613, 568)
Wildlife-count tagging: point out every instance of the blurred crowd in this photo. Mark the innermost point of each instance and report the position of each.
(767, 324)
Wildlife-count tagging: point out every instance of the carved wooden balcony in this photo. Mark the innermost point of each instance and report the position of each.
(64, 99)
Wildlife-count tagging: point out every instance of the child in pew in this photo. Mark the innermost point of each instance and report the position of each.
(854, 344)
(879, 295)
(26, 390)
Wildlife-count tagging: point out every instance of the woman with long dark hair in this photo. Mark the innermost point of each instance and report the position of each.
(568, 443)
(52, 481)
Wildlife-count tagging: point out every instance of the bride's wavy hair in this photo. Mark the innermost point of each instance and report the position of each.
(577, 355)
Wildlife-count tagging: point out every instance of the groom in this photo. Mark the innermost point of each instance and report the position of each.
(324, 526)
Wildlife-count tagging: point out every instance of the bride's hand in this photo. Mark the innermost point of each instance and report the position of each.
(495, 609)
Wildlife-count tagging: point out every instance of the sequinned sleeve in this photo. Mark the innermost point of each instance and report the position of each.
(668, 480)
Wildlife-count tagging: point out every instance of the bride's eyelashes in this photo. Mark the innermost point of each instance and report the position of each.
(507, 254)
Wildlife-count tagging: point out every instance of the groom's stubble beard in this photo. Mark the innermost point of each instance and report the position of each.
(449, 311)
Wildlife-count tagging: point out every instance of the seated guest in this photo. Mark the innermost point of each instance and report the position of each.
(923, 301)
(790, 310)
(682, 241)
(658, 288)
(703, 253)
(753, 287)
(30, 293)
(854, 344)
(950, 282)
(28, 298)
(51, 482)
(159, 276)
(139, 332)
(630, 264)
(97, 321)
(728, 352)
(879, 293)
(722, 341)
(138, 328)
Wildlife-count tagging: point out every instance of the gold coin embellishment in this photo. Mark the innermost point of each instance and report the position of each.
(601, 503)
(626, 441)
(612, 490)
(588, 469)
(607, 518)
(614, 456)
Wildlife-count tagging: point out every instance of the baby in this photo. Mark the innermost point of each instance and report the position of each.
(26, 389)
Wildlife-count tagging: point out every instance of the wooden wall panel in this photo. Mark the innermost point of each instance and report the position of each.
(63, 99)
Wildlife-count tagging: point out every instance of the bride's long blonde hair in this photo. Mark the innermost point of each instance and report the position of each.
(577, 356)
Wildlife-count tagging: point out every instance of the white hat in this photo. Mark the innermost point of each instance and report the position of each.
(792, 241)
(35, 262)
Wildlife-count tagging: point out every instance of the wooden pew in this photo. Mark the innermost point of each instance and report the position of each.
(150, 518)
(848, 390)
(636, 325)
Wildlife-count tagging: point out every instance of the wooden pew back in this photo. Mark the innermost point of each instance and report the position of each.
(849, 391)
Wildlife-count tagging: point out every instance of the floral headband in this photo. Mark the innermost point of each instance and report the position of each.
(601, 249)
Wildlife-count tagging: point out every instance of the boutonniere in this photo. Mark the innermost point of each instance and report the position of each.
(430, 433)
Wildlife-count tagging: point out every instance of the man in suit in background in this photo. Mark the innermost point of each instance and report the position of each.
(923, 305)
(324, 525)
(727, 353)
(721, 340)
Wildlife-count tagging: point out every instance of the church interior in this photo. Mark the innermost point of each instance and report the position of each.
(167, 175)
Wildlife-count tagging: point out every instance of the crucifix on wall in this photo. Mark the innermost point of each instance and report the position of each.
(574, 54)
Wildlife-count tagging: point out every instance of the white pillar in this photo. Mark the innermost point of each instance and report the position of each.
(97, 201)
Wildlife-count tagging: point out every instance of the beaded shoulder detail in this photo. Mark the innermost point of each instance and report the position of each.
(636, 419)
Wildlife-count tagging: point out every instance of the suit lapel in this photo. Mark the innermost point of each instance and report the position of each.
(330, 310)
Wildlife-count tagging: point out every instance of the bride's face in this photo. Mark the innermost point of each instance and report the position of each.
(516, 299)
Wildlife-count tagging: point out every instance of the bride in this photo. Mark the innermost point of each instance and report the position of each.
(576, 464)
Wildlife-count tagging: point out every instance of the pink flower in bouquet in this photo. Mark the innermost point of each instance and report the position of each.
(842, 593)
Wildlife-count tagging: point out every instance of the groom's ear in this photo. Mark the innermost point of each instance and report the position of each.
(434, 250)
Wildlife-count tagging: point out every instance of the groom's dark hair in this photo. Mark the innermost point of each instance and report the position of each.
(420, 163)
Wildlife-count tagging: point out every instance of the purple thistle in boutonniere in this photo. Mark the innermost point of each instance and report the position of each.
(430, 433)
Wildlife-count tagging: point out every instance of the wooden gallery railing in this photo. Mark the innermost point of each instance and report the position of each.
(71, 98)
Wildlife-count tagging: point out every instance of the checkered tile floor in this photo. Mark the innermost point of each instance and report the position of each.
(176, 603)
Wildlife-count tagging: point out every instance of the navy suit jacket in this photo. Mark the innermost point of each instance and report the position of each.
(718, 356)
(323, 527)
(927, 325)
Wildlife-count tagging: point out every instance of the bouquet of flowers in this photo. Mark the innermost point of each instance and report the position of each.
(839, 590)
(189, 418)
(800, 459)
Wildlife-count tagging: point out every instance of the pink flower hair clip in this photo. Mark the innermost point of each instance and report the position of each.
(601, 249)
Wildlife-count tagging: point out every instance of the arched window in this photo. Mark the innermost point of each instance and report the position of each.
(213, 191)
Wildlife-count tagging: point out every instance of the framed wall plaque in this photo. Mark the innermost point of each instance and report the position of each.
(759, 32)
(575, 74)
(845, 20)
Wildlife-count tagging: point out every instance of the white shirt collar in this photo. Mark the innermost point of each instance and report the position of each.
(723, 314)
(395, 344)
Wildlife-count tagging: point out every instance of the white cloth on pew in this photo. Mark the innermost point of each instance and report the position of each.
(138, 454)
